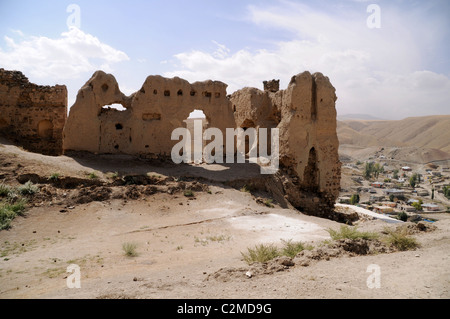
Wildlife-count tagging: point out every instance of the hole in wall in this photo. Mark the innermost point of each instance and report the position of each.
(105, 87)
(116, 106)
(45, 129)
(180, 92)
(166, 93)
(119, 126)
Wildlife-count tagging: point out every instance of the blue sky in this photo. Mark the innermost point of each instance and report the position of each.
(398, 70)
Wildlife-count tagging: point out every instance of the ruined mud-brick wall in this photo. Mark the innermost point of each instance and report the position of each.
(31, 115)
(149, 116)
(305, 115)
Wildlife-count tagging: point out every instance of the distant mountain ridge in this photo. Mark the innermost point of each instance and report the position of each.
(427, 132)
(358, 117)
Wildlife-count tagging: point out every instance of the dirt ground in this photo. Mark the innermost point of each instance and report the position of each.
(187, 247)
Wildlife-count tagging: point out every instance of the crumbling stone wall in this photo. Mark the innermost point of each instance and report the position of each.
(31, 115)
(150, 115)
(304, 113)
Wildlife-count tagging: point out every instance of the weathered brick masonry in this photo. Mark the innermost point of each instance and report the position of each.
(32, 116)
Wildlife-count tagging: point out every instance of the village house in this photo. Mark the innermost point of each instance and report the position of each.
(394, 191)
(377, 184)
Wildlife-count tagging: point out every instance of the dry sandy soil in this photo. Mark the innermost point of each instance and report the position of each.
(188, 247)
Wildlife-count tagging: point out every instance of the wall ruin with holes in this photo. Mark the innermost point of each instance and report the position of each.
(32, 116)
(149, 116)
(304, 113)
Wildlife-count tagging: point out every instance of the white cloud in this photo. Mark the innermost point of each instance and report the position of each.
(70, 56)
(374, 71)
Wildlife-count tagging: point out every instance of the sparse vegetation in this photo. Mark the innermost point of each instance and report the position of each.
(189, 193)
(400, 240)
(130, 249)
(372, 169)
(245, 189)
(8, 211)
(54, 177)
(291, 248)
(265, 252)
(354, 199)
(93, 175)
(350, 233)
(402, 216)
(418, 205)
(446, 191)
(260, 253)
(5, 190)
(28, 189)
(268, 203)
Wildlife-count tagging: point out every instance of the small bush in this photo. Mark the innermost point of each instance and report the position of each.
(54, 177)
(291, 249)
(402, 216)
(188, 193)
(130, 249)
(260, 253)
(93, 175)
(268, 203)
(400, 240)
(8, 211)
(247, 188)
(347, 232)
(5, 190)
(28, 189)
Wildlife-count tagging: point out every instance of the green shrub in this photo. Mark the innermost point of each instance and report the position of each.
(400, 240)
(28, 189)
(8, 211)
(130, 249)
(260, 253)
(402, 216)
(5, 190)
(347, 232)
(93, 175)
(54, 177)
(291, 249)
(189, 193)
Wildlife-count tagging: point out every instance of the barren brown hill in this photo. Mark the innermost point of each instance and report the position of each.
(429, 135)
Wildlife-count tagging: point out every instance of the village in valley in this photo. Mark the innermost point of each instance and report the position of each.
(404, 191)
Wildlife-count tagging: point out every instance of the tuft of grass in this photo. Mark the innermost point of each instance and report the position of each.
(268, 203)
(130, 249)
(28, 189)
(189, 193)
(291, 249)
(9, 211)
(400, 240)
(5, 190)
(245, 189)
(93, 175)
(54, 177)
(260, 253)
(346, 232)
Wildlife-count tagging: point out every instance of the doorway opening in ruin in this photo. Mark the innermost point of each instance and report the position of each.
(195, 116)
(311, 174)
(245, 126)
(45, 129)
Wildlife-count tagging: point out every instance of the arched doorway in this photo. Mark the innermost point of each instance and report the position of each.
(311, 174)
